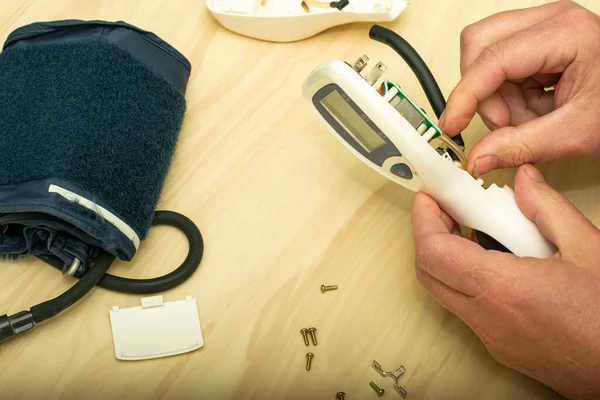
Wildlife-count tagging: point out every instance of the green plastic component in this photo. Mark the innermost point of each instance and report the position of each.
(415, 109)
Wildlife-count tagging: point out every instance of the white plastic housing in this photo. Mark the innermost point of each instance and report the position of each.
(493, 211)
(156, 329)
(288, 20)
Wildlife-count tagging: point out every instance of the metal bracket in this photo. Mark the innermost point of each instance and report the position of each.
(373, 76)
(360, 64)
(394, 375)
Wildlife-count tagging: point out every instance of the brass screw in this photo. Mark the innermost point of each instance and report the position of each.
(304, 333)
(327, 288)
(340, 395)
(313, 335)
(376, 388)
(309, 357)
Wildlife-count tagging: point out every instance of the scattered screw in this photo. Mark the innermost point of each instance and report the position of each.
(309, 357)
(340, 395)
(325, 288)
(313, 335)
(376, 388)
(304, 333)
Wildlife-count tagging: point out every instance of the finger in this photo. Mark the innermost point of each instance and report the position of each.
(481, 34)
(538, 99)
(460, 263)
(515, 98)
(559, 134)
(524, 101)
(511, 58)
(546, 80)
(556, 217)
(457, 303)
(425, 204)
(494, 111)
(456, 230)
(513, 105)
(425, 209)
(457, 262)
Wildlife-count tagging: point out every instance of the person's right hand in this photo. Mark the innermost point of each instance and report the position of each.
(508, 63)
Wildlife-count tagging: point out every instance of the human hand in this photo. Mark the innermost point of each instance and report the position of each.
(540, 317)
(507, 61)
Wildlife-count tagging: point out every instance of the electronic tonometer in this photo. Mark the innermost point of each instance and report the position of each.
(379, 123)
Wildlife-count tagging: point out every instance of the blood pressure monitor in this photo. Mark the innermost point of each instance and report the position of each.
(375, 120)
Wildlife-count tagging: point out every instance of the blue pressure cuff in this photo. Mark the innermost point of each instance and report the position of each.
(90, 113)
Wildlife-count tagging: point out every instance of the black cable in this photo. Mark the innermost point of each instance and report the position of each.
(421, 70)
(162, 283)
(172, 279)
(96, 276)
(50, 308)
(23, 321)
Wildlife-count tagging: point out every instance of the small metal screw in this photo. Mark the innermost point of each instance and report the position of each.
(340, 395)
(325, 288)
(304, 333)
(313, 336)
(309, 357)
(376, 388)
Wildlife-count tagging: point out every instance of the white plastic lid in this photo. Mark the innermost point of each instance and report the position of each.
(156, 329)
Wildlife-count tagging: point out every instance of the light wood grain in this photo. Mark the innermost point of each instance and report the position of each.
(283, 208)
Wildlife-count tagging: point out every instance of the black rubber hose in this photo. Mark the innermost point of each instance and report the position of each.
(162, 283)
(97, 276)
(50, 308)
(172, 279)
(419, 67)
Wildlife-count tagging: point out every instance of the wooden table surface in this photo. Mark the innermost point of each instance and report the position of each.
(283, 208)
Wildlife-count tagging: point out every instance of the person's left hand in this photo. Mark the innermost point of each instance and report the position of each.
(540, 317)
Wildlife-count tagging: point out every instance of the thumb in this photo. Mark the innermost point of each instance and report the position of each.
(553, 136)
(556, 217)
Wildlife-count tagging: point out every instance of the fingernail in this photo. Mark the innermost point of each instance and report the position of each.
(484, 164)
(533, 173)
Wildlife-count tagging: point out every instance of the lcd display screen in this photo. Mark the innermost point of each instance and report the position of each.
(352, 121)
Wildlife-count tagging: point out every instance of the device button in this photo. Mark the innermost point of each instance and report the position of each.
(402, 170)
